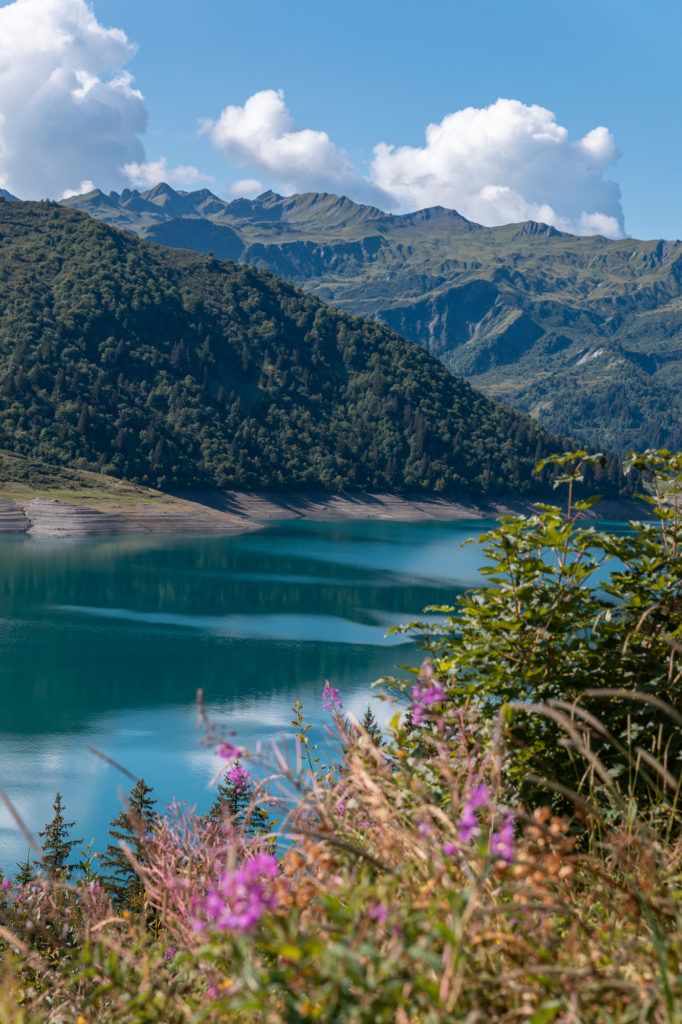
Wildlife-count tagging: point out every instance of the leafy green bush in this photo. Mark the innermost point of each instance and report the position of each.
(587, 621)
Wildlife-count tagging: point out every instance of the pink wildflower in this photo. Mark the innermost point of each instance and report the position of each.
(378, 912)
(241, 897)
(502, 841)
(468, 822)
(229, 752)
(479, 796)
(426, 693)
(239, 777)
(331, 701)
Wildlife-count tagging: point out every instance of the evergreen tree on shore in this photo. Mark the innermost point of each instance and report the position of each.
(234, 802)
(130, 826)
(57, 846)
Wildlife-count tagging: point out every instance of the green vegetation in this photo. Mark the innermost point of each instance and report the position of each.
(57, 845)
(509, 851)
(177, 371)
(128, 832)
(583, 333)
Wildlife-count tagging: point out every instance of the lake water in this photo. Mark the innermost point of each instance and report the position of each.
(103, 643)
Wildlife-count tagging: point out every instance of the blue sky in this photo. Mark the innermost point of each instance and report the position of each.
(367, 74)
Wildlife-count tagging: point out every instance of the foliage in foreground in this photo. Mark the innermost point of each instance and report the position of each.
(421, 878)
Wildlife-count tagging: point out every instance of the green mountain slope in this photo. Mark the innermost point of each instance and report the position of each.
(583, 333)
(177, 370)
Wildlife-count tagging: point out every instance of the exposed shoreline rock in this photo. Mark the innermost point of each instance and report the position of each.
(231, 512)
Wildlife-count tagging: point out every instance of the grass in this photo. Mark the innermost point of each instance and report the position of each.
(22, 479)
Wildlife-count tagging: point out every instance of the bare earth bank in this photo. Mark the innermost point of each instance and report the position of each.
(228, 512)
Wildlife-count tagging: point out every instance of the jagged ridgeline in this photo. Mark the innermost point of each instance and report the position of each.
(176, 370)
(583, 333)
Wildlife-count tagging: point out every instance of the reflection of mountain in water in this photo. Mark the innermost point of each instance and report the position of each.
(86, 628)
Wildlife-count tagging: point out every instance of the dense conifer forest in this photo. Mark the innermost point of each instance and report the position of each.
(177, 370)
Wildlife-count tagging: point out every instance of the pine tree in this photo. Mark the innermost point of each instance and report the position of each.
(26, 873)
(372, 727)
(130, 826)
(234, 802)
(57, 846)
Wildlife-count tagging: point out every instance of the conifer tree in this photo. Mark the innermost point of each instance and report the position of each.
(57, 846)
(372, 727)
(234, 801)
(26, 873)
(130, 826)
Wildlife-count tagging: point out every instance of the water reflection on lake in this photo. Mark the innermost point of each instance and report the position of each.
(104, 643)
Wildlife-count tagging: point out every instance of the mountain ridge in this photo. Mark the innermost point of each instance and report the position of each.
(180, 371)
(583, 333)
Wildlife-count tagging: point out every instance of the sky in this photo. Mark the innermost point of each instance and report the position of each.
(567, 113)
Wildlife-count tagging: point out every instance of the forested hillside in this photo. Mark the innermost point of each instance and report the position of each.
(583, 333)
(177, 370)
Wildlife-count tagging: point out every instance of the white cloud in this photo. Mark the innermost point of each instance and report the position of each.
(82, 190)
(69, 111)
(261, 135)
(247, 188)
(146, 175)
(505, 163)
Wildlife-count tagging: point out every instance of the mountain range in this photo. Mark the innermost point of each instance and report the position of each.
(585, 334)
(178, 370)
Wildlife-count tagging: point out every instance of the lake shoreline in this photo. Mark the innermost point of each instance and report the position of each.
(234, 512)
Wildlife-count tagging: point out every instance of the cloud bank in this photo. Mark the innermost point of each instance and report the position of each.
(69, 111)
(261, 135)
(504, 163)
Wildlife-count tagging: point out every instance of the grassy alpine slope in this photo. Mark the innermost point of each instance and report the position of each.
(176, 370)
(584, 333)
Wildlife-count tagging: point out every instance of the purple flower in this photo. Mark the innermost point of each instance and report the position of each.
(449, 849)
(502, 841)
(6, 884)
(239, 777)
(424, 829)
(468, 822)
(424, 697)
(378, 912)
(241, 897)
(169, 953)
(331, 701)
(229, 752)
(479, 796)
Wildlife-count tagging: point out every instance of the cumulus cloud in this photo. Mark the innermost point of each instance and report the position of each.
(507, 162)
(246, 188)
(146, 175)
(261, 135)
(69, 111)
(504, 163)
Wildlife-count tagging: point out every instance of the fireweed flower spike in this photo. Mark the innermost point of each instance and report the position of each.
(241, 897)
(502, 841)
(229, 752)
(468, 822)
(331, 701)
(239, 777)
(426, 693)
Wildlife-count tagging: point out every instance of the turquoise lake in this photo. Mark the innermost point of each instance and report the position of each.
(103, 643)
